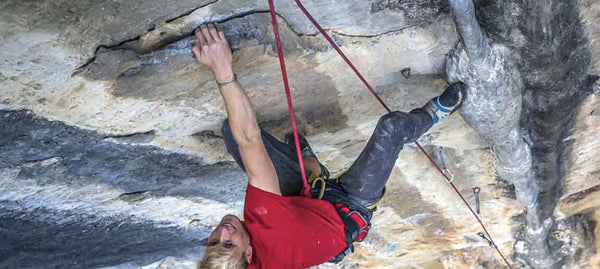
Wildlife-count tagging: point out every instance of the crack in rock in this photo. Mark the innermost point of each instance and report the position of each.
(134, 138)
(181, 27)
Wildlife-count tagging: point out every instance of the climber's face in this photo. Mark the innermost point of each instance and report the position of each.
(231, 234)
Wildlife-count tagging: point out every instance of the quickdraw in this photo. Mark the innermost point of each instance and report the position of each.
(323, 185)
(448, 173)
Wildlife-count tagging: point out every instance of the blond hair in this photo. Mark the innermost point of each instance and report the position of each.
(222, 258)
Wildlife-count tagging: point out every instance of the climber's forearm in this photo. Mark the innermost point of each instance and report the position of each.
(242, 117)
(244, 127)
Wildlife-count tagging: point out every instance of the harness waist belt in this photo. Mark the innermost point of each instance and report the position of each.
(356, 217)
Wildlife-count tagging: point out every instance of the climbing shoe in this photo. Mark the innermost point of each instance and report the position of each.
(306, 151)
(450, 101)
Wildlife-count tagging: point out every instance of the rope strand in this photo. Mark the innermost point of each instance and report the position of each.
(466, 203)
(339, 51)
(305, 187)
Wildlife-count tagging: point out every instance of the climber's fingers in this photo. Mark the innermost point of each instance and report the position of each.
(196, 51)
(206, 34)
(201, 38)
(213, 32)
(221, 34)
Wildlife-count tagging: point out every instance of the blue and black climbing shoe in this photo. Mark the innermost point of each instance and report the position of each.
(451, 100)
(306, 151)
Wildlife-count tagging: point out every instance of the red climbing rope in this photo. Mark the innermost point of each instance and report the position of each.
(466, 203)
(341, 53)
(305, 187)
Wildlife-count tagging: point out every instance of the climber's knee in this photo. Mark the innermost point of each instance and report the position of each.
(390, 120)
(373, 205)
(394, 123)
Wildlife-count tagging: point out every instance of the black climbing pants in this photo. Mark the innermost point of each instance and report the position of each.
(367, 176)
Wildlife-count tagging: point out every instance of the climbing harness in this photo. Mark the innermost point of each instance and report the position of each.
(362, 224)
(354, 215)
(306, 188)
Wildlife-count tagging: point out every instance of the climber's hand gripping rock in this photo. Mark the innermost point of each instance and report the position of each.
(212, 50)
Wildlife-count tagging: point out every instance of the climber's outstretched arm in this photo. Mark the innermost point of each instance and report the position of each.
(212, 50)
(472, 35)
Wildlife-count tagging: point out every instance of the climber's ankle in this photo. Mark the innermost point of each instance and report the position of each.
(428, 110)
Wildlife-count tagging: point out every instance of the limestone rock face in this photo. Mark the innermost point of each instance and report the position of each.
(112, 157)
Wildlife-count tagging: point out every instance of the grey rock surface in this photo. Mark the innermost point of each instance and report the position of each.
(51, 152)
(81, 241)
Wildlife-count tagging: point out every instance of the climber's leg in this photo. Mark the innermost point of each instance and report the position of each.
(367, 177)
(284, 160)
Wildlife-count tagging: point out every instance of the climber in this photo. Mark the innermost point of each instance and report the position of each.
(280, 228)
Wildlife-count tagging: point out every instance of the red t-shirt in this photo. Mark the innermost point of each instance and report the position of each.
(291, 232)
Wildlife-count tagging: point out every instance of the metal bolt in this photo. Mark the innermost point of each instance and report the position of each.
(476, 191)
